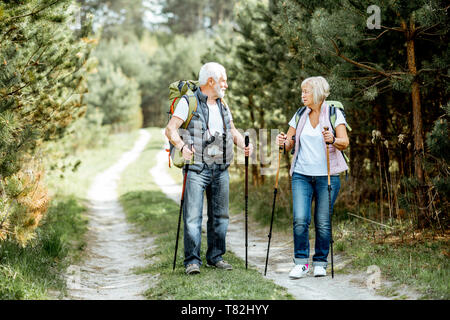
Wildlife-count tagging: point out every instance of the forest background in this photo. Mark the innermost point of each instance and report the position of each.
(74, 72)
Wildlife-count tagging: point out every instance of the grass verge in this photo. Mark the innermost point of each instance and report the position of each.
(422, 263)
(156, 215)
(31, 272)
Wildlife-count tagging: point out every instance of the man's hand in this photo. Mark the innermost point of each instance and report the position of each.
(248, 150)
(187, 153)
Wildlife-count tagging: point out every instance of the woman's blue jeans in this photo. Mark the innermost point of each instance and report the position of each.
(304, 190)
(216, 184)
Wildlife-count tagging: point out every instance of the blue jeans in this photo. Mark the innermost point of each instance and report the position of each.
(304, 189)
(216, 184)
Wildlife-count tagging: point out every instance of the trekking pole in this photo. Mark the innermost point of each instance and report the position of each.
(186, 166)
(280, 151)
(247, 141)
(329, 205)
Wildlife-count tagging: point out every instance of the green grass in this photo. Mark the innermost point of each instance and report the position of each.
(149, 209)
(36, 271)
(421, 264)
(31, 272)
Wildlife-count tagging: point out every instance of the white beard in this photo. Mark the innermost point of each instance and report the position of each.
(220, 93)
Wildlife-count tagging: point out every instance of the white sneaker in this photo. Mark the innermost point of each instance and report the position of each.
(320, 271)
(299, 271)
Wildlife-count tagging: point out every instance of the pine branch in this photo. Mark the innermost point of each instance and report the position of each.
(359, 65)
(33, 12)
(362, 78)
(378, 83)
(393, 29)
(36, 62)
(377, 37)
(432, 70)
(7, 32)
(17, 90)
(371, 221)
(423, 30)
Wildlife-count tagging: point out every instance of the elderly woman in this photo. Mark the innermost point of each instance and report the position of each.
(309, 173)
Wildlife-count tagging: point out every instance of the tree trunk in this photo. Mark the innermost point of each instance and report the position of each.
(288, 166)
(410, 32)
(262, 124)
(256, 177)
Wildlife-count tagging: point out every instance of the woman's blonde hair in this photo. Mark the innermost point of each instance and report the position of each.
(320, 87)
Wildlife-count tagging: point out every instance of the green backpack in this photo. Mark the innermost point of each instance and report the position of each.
(333, 105)
(178, 90)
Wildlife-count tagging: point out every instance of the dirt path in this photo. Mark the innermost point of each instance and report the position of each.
(348, 286)
(113, 250)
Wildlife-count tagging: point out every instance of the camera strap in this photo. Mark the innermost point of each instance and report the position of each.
(224, 135)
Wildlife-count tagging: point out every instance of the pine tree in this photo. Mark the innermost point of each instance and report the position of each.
(41, 76)
(117, 18)
(128, 56)
(115, 95)
(180, 59)
(41, 87)
(186, 17)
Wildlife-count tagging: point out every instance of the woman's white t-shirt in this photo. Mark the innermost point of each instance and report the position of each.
(311, 158)
(215, 122)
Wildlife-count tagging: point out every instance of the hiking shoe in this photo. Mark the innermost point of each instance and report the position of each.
(221, 265)
(192, 269)
(299, 271)
(320, 271)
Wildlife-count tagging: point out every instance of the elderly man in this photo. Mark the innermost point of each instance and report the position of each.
(213, 134)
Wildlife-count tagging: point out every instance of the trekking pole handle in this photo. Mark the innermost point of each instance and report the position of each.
(247, 139)
(328, 160)
(284, 144)
(190, 145)
(326, 129)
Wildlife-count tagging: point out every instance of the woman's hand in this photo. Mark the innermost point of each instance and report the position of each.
(281, 139)
(328, 136)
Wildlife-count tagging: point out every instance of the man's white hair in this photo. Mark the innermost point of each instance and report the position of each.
(320, 87)
(210, 69)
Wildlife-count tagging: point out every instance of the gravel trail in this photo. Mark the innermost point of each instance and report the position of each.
(114, 250)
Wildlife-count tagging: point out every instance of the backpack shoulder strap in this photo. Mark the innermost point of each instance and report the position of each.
(332, 114)
(192, 103)
(298, 115)
(333, 105)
